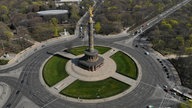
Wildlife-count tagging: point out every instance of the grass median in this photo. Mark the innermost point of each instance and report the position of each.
(80, 50)
(54, 70)
(95, 90)
(125, 65)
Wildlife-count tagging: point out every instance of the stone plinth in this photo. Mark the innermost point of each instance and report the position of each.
(107, 70)
(91, 61)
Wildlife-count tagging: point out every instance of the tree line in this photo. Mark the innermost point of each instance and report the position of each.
(21, 26)
(115, 15)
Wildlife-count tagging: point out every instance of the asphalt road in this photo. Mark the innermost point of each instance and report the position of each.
(29, 84)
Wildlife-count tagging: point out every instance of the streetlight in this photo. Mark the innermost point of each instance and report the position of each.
(3, 46)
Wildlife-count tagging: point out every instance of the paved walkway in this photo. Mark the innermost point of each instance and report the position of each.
(110, 52)
(174, 56)
(64, 83)
(8, 57)
(124, 79)
(105, 71)
(5, 92)
(65, 54)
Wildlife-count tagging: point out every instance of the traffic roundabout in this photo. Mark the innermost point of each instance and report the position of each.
(34, 87)
(107, 83)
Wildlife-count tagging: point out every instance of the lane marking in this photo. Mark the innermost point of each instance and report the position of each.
(148, 84)
(49, 103)
(163, 100)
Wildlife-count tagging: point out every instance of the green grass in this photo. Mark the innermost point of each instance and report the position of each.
(80, 50)
(187, 104)
(54, 70)
(3, 62)
(95, 90)
(125, 65)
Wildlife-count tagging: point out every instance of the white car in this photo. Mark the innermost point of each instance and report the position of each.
(146, 53)
(150, 106)
(165, 86)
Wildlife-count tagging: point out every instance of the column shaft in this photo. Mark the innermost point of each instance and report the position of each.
(91, 38)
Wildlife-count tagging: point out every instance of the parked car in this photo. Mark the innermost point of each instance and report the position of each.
(146, 53)
(150, 106)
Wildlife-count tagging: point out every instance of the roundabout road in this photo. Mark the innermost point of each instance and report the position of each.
(29, 84)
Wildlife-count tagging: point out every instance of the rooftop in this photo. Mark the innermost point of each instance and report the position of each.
(52, 12)
(69, 0)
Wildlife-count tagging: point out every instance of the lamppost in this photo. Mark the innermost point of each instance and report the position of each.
(20, 41)
(3, 46)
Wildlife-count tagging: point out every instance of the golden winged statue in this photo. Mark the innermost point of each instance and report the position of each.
(91, 11)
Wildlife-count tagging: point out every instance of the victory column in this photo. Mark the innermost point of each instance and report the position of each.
(91, 61)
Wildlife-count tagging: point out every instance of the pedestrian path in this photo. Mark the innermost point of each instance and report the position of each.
(110, 52)
(64, 83)
(105, 71)
(124, 79)
(67, 55)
